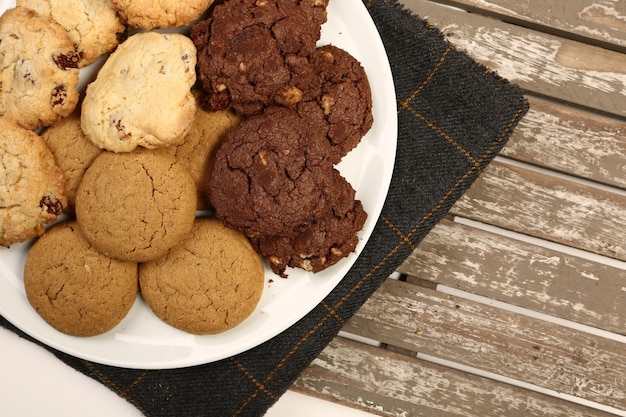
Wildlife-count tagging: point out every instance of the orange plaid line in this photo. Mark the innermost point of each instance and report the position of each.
(393, 227)
(333, 312)
(121, 392)
(429, 78)
(259, 385)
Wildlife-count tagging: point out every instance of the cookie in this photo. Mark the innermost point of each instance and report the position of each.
(75, 288)
(93, 25)
(38, 69)
(271, 175)
(324, 242)
(337, 98)
(32, 189)
(198, 149)
(152, 14)
(248, 51)
(73, 153)
(207, 284)
(135, 206)
(142, 94)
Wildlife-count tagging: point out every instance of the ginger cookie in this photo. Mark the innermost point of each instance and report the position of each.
(332, 237)
(272, 175)
(248, 51)
(73, 153)
(93, 25)
(207, 284)
(153, 14)
(38, 69)
(197, 151)
(135, 206)
(32, 187)
(142, 94)
(75, 288)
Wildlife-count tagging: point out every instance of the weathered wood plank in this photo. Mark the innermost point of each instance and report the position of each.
(595, 20)
(389, 384)
(521, 274)
(571, 141)
(544, 64)
(498, 341)
(547, 207)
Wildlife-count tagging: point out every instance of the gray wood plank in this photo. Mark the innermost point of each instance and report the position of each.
(521, 274)
(543, 64)
(388, 384)
(494, 340)
(547, 207)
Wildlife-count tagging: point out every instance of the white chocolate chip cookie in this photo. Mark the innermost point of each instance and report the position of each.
(93, 25)
(142, 95)
(153, 14)
(38, 69)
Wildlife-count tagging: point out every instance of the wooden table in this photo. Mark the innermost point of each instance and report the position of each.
(515, 304)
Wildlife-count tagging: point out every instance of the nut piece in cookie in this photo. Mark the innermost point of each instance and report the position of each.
(207, 284)
(325, 242)
(272, 175)
(153, 14)
(142, 94)
(38, 69)
(75, 288)
(135, 206)
(32, 188)
(249, 49)
(93, 25)
(73, 153)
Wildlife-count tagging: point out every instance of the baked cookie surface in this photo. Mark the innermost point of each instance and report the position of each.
(271, 175)
(93, 25)
(323, 243)
(135, 206)
(73, 153)
(38, 69)
(249, 49)
(32, 188)
(208, 283)
(153, 14)
(75, 288)
(142, 94)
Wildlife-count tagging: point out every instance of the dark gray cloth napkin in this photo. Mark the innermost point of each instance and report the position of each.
(454, 116)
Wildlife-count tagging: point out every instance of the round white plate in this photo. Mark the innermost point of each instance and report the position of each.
(141, 340)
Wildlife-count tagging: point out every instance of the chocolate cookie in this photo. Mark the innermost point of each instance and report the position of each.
(207, 284)
(272, 175)
(249, 49)
(332, 237)
(73, 153)
(75, 288)
(336, 98)
(135, 206)
(38, 69)
(32, 188)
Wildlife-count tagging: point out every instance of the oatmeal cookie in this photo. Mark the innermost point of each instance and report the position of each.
(208, 283)
(332, 237)
(75, 288)
(249, 49)
(32, 188)
(73, 153)
(272, 175)
(93, 25)
(135, 206)
(152, 14)
(38, 69)
(142, 95)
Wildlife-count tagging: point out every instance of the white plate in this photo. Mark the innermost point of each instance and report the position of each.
(141, 340)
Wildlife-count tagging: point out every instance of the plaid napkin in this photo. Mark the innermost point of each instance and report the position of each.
(454, 116)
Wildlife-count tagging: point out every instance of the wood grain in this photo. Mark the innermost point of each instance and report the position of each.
(549, 208)
(389, 384)
(546, 65)
(521, 274)
(505, 343)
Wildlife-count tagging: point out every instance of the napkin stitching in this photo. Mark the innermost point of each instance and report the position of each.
(333, 312)
(406, 238)
(430, 76)
(260, 386)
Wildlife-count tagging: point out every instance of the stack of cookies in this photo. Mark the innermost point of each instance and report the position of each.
(246, 118)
